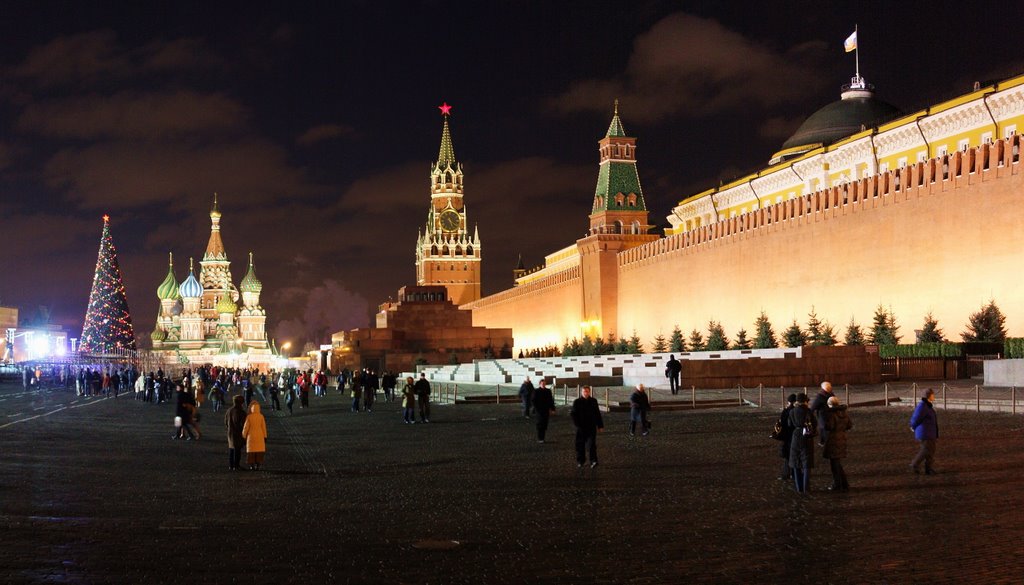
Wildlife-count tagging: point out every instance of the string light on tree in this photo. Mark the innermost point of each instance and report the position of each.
(108, 322)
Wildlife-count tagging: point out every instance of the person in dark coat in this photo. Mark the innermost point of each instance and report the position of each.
(786, 437)
(801, 450)
(422, 388)
(544, 406)
(926, 430)
(234, 422)
(837, 422)
(586, 415)
(184, 407)
(819, 406)
(526, 396)
(672, 371)
(639, 405)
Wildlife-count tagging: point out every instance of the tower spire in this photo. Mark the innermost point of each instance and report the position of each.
(446, 155)
(215, 247)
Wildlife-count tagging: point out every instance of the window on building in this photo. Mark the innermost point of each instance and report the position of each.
(986, 138)
(964, 144)
(1010, 131)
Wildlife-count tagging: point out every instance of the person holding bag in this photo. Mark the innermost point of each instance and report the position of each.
(801, 450)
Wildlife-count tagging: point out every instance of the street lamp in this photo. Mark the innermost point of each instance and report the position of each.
(287, 345)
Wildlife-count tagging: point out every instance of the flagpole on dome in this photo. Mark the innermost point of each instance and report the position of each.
(851, 44)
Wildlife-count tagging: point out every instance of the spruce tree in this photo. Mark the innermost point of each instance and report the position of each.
(988, 324)
(586, 346)
(602, 348)
(813, 327)
(660, 344)
(634, 345)
(741, 340)
(716, 337)
(794, 336)
(696, 341)
(884, 330)
(854, 334)
(765, 337)
(566, 349)
(108, 322)
(622, 346)
(574, 347)
(612, 345)
(930, 332)
(827, 334)
(675, 343)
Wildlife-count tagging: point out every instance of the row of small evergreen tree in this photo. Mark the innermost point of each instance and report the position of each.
(988, 325)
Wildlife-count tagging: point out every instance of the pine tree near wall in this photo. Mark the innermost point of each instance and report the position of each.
(765, 336)
(108, 322)
(884, 330)
(675, 343)
(660, 344)
(696, 341)
(794, 336)
(988, 324)
(854, 334)
(741, 340)
(716, 337)
(930, 332)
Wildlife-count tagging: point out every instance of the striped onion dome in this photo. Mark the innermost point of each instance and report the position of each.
(158, 335)
(250, 283)
(168, 289)
(226, 305)
(191, 289)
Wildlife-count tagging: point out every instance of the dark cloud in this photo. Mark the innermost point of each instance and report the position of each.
(85, 58)
(128, 174)
(128, 114)
(779, 128)
(328, 307)
(323, 132)
(695, 66)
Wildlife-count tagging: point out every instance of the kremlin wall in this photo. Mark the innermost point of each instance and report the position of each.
(864, 206)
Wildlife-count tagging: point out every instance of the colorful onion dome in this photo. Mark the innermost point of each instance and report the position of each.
(191, 289)
(158, 334)
(168, 289)
(226, 305)
(250, 283)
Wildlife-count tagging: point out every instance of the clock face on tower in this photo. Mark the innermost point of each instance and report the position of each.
(449, 220)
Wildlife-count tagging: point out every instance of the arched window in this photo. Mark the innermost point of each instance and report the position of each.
(619, 199)
(469, 250)
(445, 251)
(632, 199)
(617, 227)
(458, 250)
(636, 227)
(433, 250)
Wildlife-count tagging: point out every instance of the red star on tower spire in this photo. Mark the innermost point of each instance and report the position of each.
(445, 109)
(106, 218)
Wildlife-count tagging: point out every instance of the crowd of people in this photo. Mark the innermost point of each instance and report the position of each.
(824, 422)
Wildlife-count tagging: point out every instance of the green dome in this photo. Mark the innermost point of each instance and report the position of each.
(168, 289)
(226, 305)
(857, 110)
(158, 335)
(250, 283)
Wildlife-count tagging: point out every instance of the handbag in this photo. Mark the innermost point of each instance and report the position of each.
(777, 432)
(810, 429)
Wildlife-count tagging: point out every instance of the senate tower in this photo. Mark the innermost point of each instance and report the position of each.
(446, 253)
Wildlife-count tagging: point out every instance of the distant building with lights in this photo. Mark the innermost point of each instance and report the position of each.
(863, 206)
(207, 320)
(8, 328)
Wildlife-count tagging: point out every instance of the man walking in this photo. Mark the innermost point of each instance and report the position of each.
(819, 407)
(926, 430)
(672, 370)
(526, 395)
(639, 404)
(586, 415)
(544, 406)
(422, 389)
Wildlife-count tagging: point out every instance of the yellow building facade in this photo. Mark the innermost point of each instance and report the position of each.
(918, 213)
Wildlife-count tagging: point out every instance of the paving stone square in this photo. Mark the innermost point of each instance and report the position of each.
(94, 490)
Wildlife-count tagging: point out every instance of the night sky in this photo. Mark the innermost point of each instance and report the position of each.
(317, 126)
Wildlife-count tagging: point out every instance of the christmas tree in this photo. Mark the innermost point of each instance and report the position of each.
(108, 323)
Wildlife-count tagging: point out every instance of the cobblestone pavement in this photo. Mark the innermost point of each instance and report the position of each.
(97, 492)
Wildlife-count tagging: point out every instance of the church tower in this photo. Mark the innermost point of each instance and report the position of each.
(215, 275)
(446, 253)
(618, 222)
